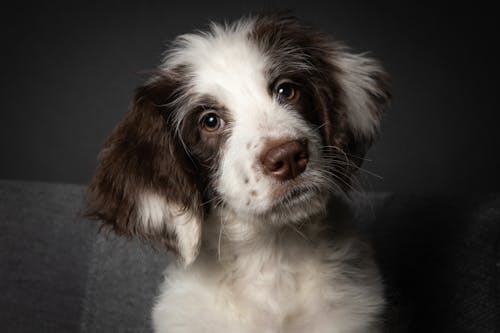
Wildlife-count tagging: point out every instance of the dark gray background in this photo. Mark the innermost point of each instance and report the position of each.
(69, 70)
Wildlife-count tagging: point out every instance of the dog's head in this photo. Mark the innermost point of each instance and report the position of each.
(262, 118)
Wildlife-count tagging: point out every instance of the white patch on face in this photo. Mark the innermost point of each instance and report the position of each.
(155, 213)
(227, 65)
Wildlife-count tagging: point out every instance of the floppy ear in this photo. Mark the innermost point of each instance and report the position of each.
(363, 93)
(145, 183)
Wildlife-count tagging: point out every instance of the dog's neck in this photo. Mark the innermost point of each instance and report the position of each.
(265, 261)
(230, 238)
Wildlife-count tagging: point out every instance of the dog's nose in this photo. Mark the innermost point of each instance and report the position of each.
(285, 160)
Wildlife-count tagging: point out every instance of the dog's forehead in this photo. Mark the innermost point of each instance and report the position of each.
(233, 69)
(227, 65)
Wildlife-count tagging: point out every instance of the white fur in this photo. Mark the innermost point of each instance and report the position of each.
(259, 272)
(154, 212)
(271, 282)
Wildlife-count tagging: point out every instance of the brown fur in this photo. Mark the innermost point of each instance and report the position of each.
(142, 154)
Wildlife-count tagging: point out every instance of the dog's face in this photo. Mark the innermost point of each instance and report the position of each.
(262, 119)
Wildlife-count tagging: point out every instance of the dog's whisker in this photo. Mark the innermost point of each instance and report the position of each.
(300, 233)
(340, 178)
(331, 183)
(321, 126)
(328, 148)
(344, 163)
(215, 199)
(334, 159)
(219, 241)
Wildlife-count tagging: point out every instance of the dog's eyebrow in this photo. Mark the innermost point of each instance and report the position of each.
(204, 102)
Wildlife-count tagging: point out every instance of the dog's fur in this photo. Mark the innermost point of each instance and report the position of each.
(257, 251)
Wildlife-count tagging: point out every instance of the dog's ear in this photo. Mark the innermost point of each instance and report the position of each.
(362, 95)
(145, 183)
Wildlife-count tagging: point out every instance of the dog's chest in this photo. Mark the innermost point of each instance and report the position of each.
(277, 287)
(292, 292)
(268, 296)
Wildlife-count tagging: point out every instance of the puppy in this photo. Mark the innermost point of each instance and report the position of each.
(229, 157)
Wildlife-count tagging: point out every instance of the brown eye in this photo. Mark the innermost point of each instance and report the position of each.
(287, 92)
(211, 122)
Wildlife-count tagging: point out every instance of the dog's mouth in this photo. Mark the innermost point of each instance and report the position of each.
(292, 201)
(289, 195)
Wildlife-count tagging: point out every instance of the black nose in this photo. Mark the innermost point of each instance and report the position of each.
(285, 160)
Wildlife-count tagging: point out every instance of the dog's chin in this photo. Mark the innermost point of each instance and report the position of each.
(292, 204)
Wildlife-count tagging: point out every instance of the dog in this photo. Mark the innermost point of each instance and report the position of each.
(229, 157)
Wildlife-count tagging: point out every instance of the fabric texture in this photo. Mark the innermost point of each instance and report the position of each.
(123, 281)
(439, 256)
(44, 257)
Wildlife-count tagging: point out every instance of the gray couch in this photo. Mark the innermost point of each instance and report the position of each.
(439, 256)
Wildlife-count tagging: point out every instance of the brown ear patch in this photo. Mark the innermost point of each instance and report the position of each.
(143, 155)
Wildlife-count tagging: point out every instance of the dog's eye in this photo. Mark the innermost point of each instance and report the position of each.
(287, 92)
(211, 122)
